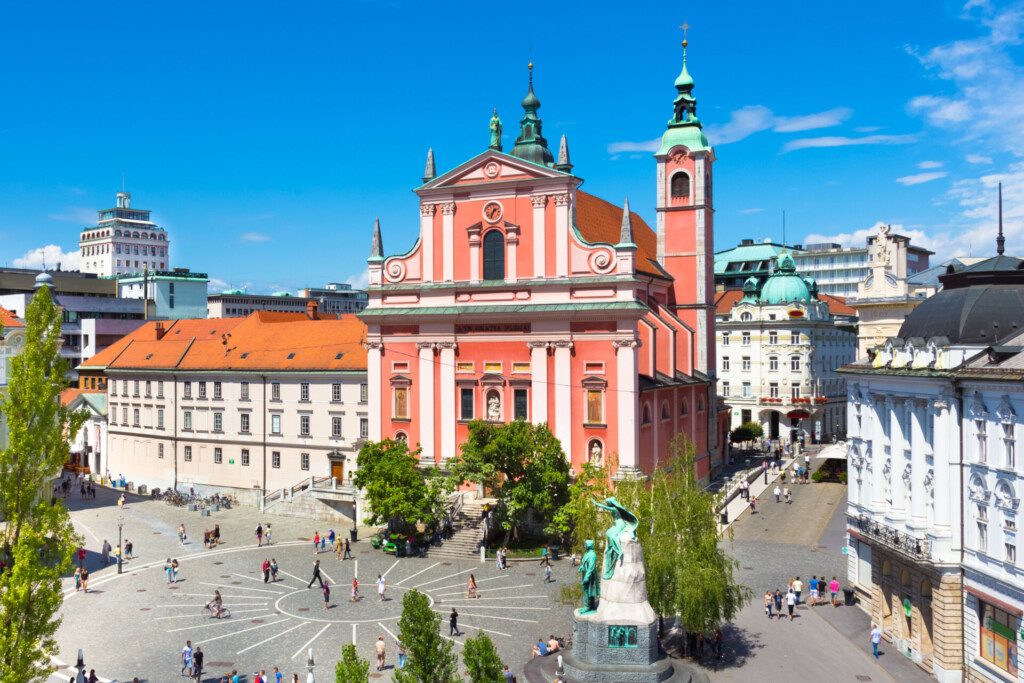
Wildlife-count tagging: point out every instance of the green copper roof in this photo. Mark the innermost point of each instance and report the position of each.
(739, 256)
(684, 128)
(785, 285)
(530, 144)
(691, 137)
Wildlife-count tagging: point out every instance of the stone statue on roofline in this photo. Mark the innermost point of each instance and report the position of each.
(495, 131)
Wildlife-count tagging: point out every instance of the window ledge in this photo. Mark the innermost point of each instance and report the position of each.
(600, 425)
(401, 419)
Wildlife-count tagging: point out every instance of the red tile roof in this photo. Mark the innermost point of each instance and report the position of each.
(262, 341)
(8, 319)
(601, 221)
(69, 395)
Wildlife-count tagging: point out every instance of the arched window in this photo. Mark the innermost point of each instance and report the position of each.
(664, 411)
(683, 408)
(700, 404)
(680, 186)
(494, 256)
(746, 316)
(646, 417)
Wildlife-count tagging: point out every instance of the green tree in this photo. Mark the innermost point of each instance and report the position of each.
(37, 538)
(351, 668)
(522, 464)
(578, 520)
(689, 574)
(748, 431)
(482, 660)
(429, 657)
(396, 487)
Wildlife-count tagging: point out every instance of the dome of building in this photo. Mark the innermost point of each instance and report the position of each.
(43, 280)
(785, 285)
(980, 304)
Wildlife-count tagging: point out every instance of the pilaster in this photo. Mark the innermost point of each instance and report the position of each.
(427, 400)
(561, 235)
(539, 381)
(448, 240)
(627, 383)
(563, 395)
(427, 240)
(539, 235)
(447, 399)
(374, 349)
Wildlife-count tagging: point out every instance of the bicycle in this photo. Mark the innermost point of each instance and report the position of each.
(222, 613)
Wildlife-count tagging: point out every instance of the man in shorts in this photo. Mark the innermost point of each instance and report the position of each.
(814, 584)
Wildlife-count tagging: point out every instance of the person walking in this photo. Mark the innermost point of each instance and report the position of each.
(316, 575)
(813, 585)
(259, 535)
(330, 537)
(316, 542)
(544, 555)
(197, 664)
(129, 549)
(453, 623)
(348, 551)
(381, 585)
(216, 534)
(876, 638)
(327, 595)
(78, 579)
(497, 559)
(168, 571)
(323, 543)
(273, 570)
(174, 570)
(265, 567)
(401, 655)
(768, 602)
(268, 535)
(85, 580)
(790, 603)
(186, 658)
(339, 546)
(120, 502)
(471, 590)
(355, 590)
(764, 469)
(547, 574)
(181, 534)
(777, 492)
(105, 552)
(798, 588)
(833, 588)
(380, 649)
(778, 603)
(753, 505)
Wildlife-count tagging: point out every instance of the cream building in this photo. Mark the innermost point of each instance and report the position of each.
(124, 240)
(778, 348)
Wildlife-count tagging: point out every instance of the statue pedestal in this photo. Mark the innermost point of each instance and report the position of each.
(619, 641)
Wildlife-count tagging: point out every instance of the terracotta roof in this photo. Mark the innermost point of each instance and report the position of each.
(8, 319)
(724, 301)
(262, 341)
(601, 221)
(837, 305)
(69, 395)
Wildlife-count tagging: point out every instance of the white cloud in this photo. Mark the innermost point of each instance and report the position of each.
(978, 159)
(919, 178)
(858, 238)
(48, 257)
(254, 237)
(751, 210)
(745, 122)
(866, 129)
(979, 205)
(79, 215)
(217, 285)
(924, 165)
(843, 141)
(360, 280)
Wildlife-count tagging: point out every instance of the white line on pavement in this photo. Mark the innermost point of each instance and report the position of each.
(491, 616)
(297, 578)
(387, 631)
(513, 607)
(88, 531)
(200, 604)
(325, 574)
(471, 601)
(417, 573)
(251, 578)
(355, 569)
(237, 597)
(489, 590)
(267, 640)
(497, 633)
(228, 635)
(354, 634)
(310, 641)
(193, 616)
(385, 574)
(451, 576)
(241, 588)
(220, 622)
(457, 585)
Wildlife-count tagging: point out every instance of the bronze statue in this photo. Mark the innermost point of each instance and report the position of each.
(624, 521)
(496, 131)
(590, 582)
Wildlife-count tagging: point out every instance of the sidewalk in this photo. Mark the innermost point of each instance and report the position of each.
(758, 488)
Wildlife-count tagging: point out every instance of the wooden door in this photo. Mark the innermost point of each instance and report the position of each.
(338, 470)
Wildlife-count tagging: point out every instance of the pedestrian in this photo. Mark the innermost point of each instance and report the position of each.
(323, 543)
(798, 588)
(381, 585)
(497, 559)
(186, 658)
(316, 575)
(129, 549)
(216, 534)
(753, 505)
(78, 579)
(259, 535)
(92, 676)
(777, 492)
(277, 675)
(266, 570)
(120, 502)
(547, 574)
(330, 537)
(327, 595)
(355, 590)
(471, 590)
(81, 556)
(790, 603)
(348, 551)
(764, 469)
(876, 638)
(833, 587)
(168, 571)
(401, 655)
(544, 555)
(379, 647)
(268, 535)
(813, 586)
(273, 570)
(181, 534)
(768, 602)
(106, 552)
(316, 542)
(85, 580)
(197, 663)
(778, 602)
(453, 623)
(174, 569)
(788, 494)
(338, 548)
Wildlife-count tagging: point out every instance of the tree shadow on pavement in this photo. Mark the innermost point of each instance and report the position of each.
(738, 645)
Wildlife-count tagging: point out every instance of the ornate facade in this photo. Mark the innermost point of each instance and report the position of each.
(527, 298)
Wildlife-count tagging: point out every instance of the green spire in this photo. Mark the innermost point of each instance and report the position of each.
(377, 244)
(531, 145)
(684, 128)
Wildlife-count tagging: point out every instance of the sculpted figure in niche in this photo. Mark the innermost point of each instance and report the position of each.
(595, 452)
(494, 408)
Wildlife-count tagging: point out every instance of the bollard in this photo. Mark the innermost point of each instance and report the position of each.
(483, 553)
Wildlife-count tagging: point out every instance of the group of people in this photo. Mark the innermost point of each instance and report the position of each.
(543, 649)
(211, 537)
(264, 535)
(819, 588)
(86, 489)
(269, 569)
(342, 547)
(192, 666)
(171, 570)
(501, 558)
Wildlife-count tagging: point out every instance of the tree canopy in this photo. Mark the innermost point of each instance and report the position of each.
(748, 431)
(578, 520)
(351, 668)
(521, 464)
(397, 489)
(37, 537)
(482, 660)
(429, 657)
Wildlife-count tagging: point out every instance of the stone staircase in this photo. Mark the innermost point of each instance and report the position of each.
(468, 525)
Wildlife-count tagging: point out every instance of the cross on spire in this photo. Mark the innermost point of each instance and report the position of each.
(686, 27)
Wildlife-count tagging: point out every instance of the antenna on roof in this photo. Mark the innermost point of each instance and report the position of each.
(1000, 240)
(783, 226)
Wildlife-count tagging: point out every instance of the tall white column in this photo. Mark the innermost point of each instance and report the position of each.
(879, 449)
(373, 379)
(538, 381)
(563, 395)
(447, 398)
(945, 441)
(627, 381)
(448, 240)
(561, 235)
(539, 235)
(473, 237)
(512, 262)
(918, 464)
(898, 508)
(427, 240)
(427, 400)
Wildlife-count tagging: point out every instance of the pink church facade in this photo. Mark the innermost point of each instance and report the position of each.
(527, 298)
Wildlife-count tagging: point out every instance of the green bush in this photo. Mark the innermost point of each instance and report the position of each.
(842, 477)
(817, 475)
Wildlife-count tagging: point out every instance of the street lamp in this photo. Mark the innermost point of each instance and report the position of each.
(80, 665)
(309, 665)
(120, 549)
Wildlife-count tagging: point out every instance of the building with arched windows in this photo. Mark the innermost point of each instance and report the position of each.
(779, 344)
(124, 240)
(526, 298)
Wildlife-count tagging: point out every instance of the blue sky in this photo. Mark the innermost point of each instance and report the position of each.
(267, 136)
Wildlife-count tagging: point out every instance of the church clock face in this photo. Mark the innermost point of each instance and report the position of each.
(492, 212)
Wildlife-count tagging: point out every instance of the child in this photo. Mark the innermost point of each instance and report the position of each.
(327, 595)
(355, 590)
(78, 579)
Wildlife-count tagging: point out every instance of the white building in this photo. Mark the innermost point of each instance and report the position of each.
(172, 295)
(839, 270)
(778, 348)
(251, 406)
(934, 480)
(124, 240)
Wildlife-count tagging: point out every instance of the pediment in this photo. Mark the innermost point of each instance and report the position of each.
(488, 167)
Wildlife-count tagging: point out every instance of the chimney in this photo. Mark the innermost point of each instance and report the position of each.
(160, 330)
(311, 313)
